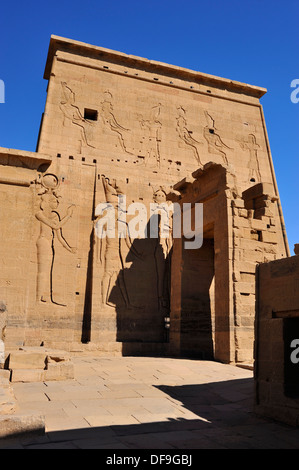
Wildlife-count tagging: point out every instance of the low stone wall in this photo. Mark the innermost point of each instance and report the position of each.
(35, 364)
(276, 368)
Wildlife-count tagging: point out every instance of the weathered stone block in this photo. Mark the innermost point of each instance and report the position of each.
(245, 287)
(244, 355)
(257, 224)
(259, 190)
(269, 237)
(34, 364)
(263, 212)
(4, 374)
(238, 203)
(245, 266)
(26, 360)
(59, 371)
(11, 426)
(27, 375)
(241, 222)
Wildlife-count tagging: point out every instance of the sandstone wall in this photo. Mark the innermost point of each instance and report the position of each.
(139, 127)
(277, 339)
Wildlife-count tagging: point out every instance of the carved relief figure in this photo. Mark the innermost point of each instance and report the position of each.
(163, 249)
(50, 230)
(215, 143)
(185, 134)
(3, 323)
(72, 112)
(152, 138)
(110, 248)
(253, 165)
(110, 122)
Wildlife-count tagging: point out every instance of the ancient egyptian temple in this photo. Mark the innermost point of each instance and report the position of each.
(129, 132)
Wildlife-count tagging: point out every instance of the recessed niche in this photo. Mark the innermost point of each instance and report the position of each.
(90, 114)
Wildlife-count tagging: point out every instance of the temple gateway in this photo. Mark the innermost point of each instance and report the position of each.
(129, 132)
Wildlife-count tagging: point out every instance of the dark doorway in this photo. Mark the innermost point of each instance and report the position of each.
(198, 301)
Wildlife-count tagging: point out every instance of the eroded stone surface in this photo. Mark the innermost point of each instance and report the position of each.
(7, 398)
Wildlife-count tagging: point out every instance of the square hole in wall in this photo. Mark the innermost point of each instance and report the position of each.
(90, 114)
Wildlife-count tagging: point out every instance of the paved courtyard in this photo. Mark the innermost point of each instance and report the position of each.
(149, 403)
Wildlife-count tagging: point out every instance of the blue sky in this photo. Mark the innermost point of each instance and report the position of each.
(254, 41)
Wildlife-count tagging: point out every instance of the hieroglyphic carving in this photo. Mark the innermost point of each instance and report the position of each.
(185, 134)
(51, 225)
(253, 165)
(110, 247)
(72, 112)
(152, 138)
(110, 122)
(215, 143)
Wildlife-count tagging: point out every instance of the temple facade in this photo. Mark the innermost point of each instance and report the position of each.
(127, 134)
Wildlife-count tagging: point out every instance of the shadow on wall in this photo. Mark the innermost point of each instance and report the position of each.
(141, 295)
(87, 312)
(141, 292)
(136, 285)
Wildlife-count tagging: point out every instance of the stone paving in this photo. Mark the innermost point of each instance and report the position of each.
(149, 403)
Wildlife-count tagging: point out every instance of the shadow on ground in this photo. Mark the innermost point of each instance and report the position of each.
(223, 419)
